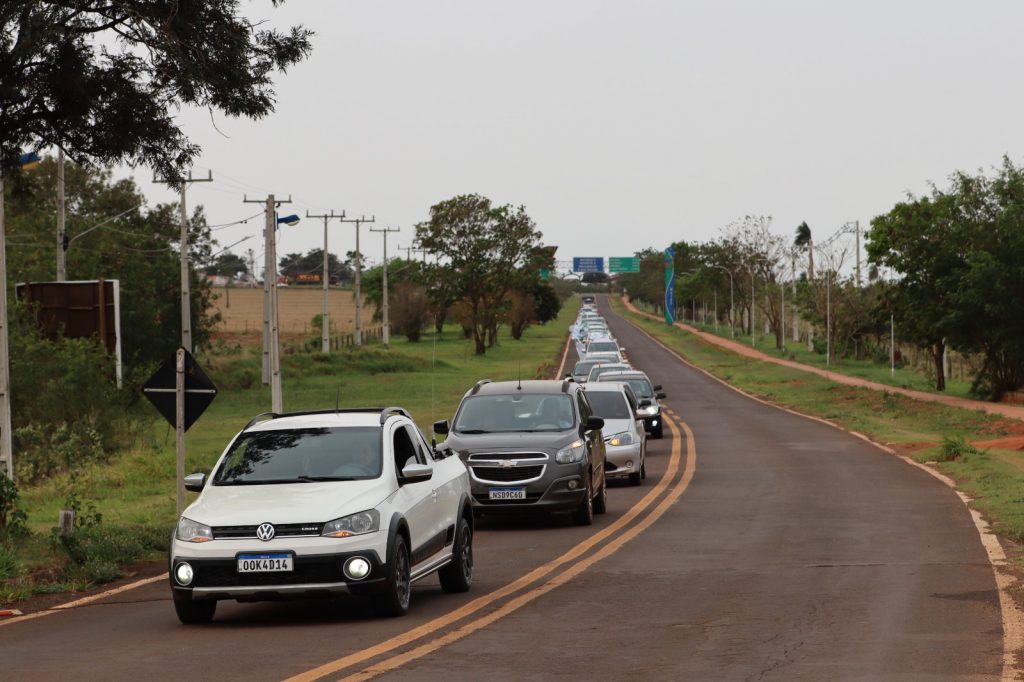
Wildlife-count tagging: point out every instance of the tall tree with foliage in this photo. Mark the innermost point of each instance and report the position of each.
(486, 250)
(104, 80)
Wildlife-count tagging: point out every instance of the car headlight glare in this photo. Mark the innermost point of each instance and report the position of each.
(648, 411)
(624, 438)
(191, 531)
(354, 524)
(572, 453)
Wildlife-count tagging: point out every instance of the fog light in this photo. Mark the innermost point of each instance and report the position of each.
(654, 422)
(629, 464)
(573, 484)
(357, 568)
(183, 574)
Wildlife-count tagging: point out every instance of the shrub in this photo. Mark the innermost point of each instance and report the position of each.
(12, 519)
(96, 553)
(410, 310)
(45, 451)
(955, 448)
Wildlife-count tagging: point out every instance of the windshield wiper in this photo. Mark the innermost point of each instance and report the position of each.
(472, 431)
(314, 479)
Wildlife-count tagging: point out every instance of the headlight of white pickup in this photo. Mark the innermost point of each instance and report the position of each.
(191, 531)
(572, 453)
(648, 411)
(624, 438)
(353, 524)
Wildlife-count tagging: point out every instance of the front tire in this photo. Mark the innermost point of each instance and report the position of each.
(458, 575)
(394, 600)
(194, 611)
(584, 514)
(601, 499)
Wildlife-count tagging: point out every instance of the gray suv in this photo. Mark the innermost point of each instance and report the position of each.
(530, 446)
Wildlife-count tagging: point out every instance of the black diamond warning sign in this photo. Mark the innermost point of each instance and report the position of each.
(199, 390)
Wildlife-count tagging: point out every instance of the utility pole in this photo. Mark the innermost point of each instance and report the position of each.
(325, 327)
(271, 348)
(359, 273)
(62, 243)
(387, 323)
(186, 301)
(857, 230)
(6, 453)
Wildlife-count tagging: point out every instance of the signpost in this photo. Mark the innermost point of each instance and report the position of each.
(670, 286)
(180, 391)
(588, 264)
(623, 264)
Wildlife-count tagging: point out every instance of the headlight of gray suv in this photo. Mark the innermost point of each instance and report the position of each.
(354, 524)
(572, 453)
(191, 531)
(624, 438)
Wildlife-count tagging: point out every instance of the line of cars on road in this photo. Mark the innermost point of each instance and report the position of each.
(327, 502)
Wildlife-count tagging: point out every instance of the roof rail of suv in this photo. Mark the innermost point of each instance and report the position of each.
(385, 412)
(566, 382)
(477, 385)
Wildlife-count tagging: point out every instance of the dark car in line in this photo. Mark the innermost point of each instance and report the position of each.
(646, 393)
(530, 446)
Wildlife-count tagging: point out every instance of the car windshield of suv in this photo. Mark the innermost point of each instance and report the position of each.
(303, 456)
(515, 413)
(597, 370)
(609, 404)
(641, 387)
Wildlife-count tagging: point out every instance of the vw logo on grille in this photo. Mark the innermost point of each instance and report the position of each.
(265, 532)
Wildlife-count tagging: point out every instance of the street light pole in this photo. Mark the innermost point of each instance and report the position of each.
(828, 317)
(752, 328)
(387, 322)
(325, 327)
(6, 453)
(62, 273)
(732, 308)
(358, 337)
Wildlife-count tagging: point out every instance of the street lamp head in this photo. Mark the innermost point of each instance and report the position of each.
(292, 219)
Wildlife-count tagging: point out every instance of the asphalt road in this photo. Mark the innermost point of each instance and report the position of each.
(795, 552)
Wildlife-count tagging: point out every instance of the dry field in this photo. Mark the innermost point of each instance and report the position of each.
(242, 309)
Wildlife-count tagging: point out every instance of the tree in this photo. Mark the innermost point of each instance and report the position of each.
(228, 264)
(104, 80)
(486, 250)
(295, 264)
(805, 242)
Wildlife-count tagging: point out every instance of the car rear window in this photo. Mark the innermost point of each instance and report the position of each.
(609, 405)
(603, 347)
(641, 387)
(302, 456)
(516, 412)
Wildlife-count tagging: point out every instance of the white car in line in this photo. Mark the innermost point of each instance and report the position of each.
(321, 503)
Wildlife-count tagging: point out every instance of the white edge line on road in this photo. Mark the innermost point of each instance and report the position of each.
(84, 600)
(1013, 619)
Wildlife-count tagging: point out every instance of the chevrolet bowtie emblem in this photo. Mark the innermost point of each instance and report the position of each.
(507, 463)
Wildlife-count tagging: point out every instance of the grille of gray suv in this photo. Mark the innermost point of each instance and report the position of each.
(508, 475)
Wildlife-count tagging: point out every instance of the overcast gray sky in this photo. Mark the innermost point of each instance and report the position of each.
(619, 125)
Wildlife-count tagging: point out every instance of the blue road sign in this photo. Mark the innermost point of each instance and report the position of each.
(588, 264)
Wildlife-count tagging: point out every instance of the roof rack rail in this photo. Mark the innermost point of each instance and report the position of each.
(565, 384)
(391, 412)
(477, 385)
(385, 412)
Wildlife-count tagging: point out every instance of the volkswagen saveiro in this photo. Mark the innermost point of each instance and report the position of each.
(320, 503)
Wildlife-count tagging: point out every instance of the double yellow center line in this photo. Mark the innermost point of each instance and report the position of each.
(618, 529)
